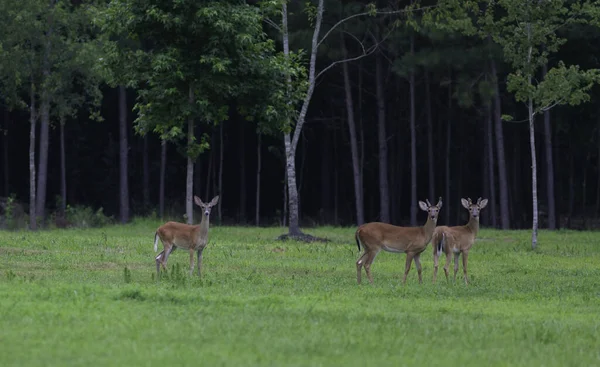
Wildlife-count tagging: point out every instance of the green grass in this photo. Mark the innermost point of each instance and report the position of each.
(90, 297)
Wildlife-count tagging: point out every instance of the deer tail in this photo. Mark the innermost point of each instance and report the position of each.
(357, 240)
(156, 241)
(440, 245)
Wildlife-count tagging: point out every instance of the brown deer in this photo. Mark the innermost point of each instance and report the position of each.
(457, 240)
(378, 236)
(179, 235)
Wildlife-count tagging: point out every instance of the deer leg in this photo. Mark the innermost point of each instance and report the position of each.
(199, 255)
(447, 265)
(359, 264)
(456, 255)
(436, 259)
(418, 263)
(409, 258)
(191, 261)
(368, 262)
(465, 260)
(168, 250)
(159, 261)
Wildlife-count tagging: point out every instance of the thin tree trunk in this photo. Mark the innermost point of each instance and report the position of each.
(163, 167)
(189, 186)
(571, 204)
(597, 211)
(335, 179)
(584, 192)
(146, 175)
(448, 150)
(549, 166)
(6, 167)
(221, 165)
(413, 143)
(534, 231)
(258, 167)
(430, 160)
(491, 167)
(209, 171)
(242, 178)
(358, 189)
(384, 194)
(63, 169)
(284, 214)
(32, 198)
(500, 155)
(43, 156)
(123, 159)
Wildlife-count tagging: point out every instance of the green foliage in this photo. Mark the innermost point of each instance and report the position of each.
(264, 302)
(86, 217)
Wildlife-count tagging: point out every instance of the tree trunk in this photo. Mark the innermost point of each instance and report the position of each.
(242, 178)
(63, 169)
(221, 163)
(146, 175)
(43, 156)
(123, 159)
(597, 211)
(6, 160)
(358, 184)
(549, 166)
(571, 204)
(284, 213)
(258, 167)
(289, 141)
(500, 155)
(384, 194)
(209, 171)
(163, 168)
(430, 160)
(335, 179)
(189, 184)
(491, 167)
(534, 231)
(32, 199)
(413, 143)
(448, 150)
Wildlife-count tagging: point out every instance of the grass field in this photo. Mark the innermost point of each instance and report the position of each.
(89, 297)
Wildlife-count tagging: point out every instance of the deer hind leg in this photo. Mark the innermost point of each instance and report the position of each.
(418, 264)
(447, 265)
(465, 261)
(159, 261)
(409, 258)
(359, 264)
(456, 255)
(368, 262)
(191, 261)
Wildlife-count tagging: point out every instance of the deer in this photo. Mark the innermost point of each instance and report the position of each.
(185, 236)
(377, 236)
(457, 240)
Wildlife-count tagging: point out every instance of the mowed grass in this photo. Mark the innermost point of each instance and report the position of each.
(89, 297)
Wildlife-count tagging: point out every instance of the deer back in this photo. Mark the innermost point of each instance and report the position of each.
(179, 234)
(392, 238)
(459, 238)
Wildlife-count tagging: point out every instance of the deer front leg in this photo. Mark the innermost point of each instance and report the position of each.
(409, 258)
(418, 263)
(199, 255)
(191, 261)
(456, 255)
(465, 261)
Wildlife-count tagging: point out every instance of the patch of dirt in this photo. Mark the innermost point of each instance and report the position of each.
(302, 238)
(277, 249)
(20, 251)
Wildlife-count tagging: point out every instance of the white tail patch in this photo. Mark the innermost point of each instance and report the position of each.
(440, 246)
(156, 242)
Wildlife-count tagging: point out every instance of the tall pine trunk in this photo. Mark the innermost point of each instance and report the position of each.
(43, 156)
(242, 177)
(500, 154)
(63, 169)
(189, 182)
(163, 168)
(32, 199)
(413, 143)
(384, 194)
(534, 198)
(549, 165)
(221, 164)
(491, 166)
(123, 156)
(430, 157)
(448, 151)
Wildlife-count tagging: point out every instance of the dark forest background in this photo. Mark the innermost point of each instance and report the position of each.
(452, 84)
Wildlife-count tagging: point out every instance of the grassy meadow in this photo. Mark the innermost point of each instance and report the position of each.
(78, 297)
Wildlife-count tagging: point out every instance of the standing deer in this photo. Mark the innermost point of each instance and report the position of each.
(457, 240)
(378, 236)
(185, 236)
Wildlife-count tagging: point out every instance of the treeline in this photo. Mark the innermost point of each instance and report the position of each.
(301, 113)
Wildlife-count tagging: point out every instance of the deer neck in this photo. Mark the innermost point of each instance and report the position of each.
(429, 226)
(204, 224)
(473, 225)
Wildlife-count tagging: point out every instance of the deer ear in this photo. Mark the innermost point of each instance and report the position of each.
(423, 206)
(198, 201)
(214, 200)
(483, 203)
(464, 203)
(439, 203)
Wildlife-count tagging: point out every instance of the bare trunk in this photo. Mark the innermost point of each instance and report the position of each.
(584, 192)
(549, 166)
(221, 163)
(534, 231)
(384, 194)
(500, 155)
(448, 150)
(358, 188)
(597, 211)
(63, 169)
(209, 171)
(32, 120)
(242, 161)
(430, 157)
(335, 179)
(491, 167)
(123, 159)
(413, 144)
(189, 184)
(6, 160)
(292, 141)
(146, 174)
(163, 166)
(43, 156)
(284, 213)
(258, 167)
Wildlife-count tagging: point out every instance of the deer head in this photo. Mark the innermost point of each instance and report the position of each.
(206, 208)
(474, 209)
(432, 210)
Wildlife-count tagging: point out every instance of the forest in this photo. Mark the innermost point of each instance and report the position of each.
(299, 113)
